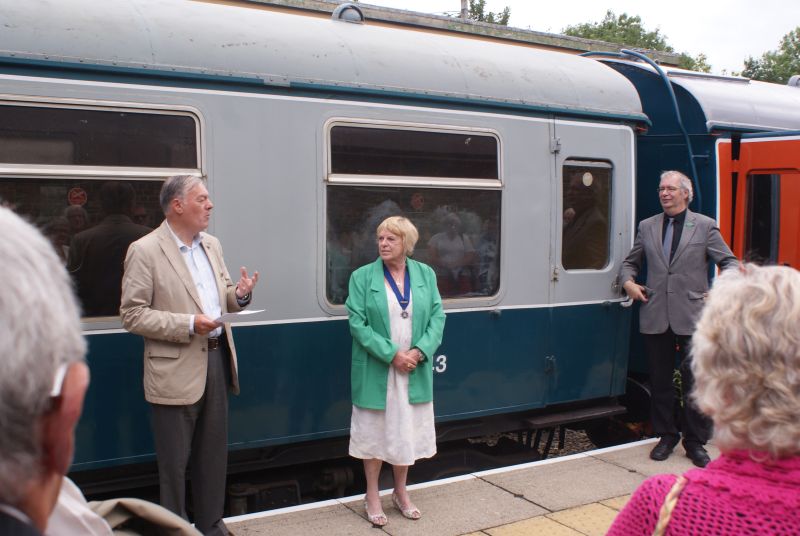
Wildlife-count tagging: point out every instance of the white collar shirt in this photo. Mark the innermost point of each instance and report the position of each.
(203, 276)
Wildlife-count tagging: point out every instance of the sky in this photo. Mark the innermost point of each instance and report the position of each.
(726, 31)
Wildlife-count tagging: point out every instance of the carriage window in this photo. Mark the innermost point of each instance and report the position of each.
(357, 150)
(763, 216)
(90, 224)
(459, 235)
(91, 137)
(586, 202)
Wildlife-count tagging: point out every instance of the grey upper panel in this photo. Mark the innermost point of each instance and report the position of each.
(735, 102)
(282, 48)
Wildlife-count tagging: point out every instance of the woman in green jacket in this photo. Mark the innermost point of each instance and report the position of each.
(396, 320)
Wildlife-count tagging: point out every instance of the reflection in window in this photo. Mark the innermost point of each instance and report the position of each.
(459, 235)
(359, 150)
(91, 137)
(90, 223)
(585, 230)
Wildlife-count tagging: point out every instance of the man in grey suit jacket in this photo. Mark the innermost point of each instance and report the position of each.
(677, 245)
(174, 287)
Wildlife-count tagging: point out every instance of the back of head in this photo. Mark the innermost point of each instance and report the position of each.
(117, 197)
(39, 330)
(746, 359)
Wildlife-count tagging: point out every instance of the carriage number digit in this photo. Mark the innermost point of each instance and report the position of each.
(441, 363)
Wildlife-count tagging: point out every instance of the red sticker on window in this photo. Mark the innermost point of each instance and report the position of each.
(76, 196)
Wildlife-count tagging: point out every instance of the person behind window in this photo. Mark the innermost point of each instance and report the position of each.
(96, 255)
(745, 358)
(585, 234)
(396, 321)
(57, 232)
(77, 217)
(452, 255)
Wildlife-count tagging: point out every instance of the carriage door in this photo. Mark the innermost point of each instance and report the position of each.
(759, 214)
(592, 226)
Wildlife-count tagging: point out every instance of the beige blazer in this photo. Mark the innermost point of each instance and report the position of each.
(158, 299)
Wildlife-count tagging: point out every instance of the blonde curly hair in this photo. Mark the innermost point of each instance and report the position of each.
(746, 360)
(402, 227)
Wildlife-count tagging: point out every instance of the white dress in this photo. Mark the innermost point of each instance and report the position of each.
(404, 432)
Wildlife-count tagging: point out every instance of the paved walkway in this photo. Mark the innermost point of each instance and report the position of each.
(569, 496)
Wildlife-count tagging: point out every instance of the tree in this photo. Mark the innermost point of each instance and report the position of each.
(477, 11)
(629, 30)
(697, 63)
(623, 29)
(776, 65)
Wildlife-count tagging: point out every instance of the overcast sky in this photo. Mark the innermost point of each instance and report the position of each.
(726, 31)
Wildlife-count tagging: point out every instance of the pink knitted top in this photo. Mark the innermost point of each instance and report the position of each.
(732, 495)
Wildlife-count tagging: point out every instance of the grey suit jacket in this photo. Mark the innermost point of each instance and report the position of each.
(675, 291)
(158, 299)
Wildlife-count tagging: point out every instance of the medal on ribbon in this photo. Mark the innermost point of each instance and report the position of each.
(401, 299)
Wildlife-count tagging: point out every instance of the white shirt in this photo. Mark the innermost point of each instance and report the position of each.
(203, 276)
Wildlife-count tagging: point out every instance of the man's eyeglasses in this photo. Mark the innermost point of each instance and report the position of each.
(58, 383)
(670, 189)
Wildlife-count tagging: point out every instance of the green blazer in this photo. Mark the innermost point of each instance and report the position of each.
(373, 349)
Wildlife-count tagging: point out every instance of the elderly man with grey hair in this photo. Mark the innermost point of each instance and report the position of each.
(43, 377)
(678, 246)
(174, 289)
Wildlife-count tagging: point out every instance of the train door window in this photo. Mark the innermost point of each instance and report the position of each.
(761, 235)
(459, 226)
(772, 222)
(90, 178)
(586, 187)
(87, 136)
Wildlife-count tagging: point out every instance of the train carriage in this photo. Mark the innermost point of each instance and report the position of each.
(310, 131)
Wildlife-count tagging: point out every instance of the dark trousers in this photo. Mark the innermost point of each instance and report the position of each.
(661, 350)
(196, 435)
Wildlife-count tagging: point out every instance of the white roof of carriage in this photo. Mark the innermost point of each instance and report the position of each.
(278, 48)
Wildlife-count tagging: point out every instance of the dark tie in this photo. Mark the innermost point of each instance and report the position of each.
(667, 245)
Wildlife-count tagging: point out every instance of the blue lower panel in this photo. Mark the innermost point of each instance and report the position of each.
(295, 378)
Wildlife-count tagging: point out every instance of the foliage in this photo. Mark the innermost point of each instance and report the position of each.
(629, 30)
(622, 29)
(697, 63)
(477, 11)
(776, 65)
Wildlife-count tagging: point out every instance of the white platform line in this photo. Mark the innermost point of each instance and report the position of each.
(435, 483)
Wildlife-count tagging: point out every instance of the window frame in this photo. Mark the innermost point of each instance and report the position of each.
(596, 163)
(444, 183)
(106, 324)
(101, 172)
(405, 180)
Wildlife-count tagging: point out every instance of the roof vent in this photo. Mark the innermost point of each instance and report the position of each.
(348, 13)
(794, 81)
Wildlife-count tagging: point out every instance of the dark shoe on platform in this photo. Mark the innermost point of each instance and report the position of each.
(663, 449)
(697, 454)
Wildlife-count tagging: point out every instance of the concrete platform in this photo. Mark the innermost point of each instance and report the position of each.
(569, 496)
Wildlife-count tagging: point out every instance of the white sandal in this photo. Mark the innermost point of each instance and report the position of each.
(378, 519)
(412, 512)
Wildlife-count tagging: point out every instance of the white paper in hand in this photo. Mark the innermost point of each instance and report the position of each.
(237, 317)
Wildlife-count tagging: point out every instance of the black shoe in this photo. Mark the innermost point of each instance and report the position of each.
(697, 454)
(663, 449)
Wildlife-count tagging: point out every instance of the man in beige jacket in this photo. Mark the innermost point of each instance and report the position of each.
(174, 289)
